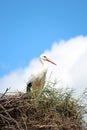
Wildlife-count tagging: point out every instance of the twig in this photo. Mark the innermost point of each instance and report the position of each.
(9, 117)
(4, 92)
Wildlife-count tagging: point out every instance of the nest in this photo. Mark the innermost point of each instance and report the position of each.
(22, 112)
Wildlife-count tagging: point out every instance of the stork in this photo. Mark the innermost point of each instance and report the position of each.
(37, 81)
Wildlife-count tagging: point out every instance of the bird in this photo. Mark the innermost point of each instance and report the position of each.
(37, 80)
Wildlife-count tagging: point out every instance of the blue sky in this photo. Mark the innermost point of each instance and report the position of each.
(29, 27)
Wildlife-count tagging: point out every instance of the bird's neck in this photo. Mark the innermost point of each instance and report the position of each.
(44, 65)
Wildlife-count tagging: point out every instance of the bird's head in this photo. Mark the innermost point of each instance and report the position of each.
(45, 58)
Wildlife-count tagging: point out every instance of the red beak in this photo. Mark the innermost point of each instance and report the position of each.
(51, 61)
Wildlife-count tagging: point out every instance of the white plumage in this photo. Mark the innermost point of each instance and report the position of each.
(37, 80)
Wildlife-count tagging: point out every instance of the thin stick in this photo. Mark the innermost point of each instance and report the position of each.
(4, 92)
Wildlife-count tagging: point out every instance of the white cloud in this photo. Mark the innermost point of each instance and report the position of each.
(71, 59)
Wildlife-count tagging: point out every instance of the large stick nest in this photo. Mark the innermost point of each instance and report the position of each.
(23, 112)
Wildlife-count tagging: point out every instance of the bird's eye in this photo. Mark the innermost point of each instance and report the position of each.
(45, 57)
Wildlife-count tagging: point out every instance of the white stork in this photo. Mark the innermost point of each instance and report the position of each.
(37, 80)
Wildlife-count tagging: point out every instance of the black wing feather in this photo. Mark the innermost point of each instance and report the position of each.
(29, 85)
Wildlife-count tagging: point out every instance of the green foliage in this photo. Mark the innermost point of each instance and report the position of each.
(61, 102)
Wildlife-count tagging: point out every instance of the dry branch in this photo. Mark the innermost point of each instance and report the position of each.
(5, 92)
